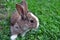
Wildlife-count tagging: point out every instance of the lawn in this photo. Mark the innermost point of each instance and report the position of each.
(48, 12)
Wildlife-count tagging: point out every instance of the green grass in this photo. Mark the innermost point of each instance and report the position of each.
(48, 12)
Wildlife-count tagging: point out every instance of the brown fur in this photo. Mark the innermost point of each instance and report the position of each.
(22, 20)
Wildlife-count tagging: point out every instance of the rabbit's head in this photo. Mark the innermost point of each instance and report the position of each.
(25, 20)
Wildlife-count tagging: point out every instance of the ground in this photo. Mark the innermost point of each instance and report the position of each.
(48, 12)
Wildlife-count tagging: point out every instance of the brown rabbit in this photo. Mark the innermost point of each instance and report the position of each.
(22, 20)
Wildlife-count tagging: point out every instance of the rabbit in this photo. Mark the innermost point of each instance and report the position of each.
(22, 20)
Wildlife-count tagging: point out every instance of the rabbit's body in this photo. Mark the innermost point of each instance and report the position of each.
(14, 17)
(23, 24)
(22, 20)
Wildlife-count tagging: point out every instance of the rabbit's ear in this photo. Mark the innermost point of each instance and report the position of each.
(20, 9)
(24, 4)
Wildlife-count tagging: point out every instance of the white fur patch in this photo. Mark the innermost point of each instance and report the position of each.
(13, 37)
(36, 19)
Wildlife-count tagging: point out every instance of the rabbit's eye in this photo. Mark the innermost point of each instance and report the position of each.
(16, 27)
(31, 21)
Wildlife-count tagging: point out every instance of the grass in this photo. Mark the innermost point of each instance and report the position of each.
(48, 12)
